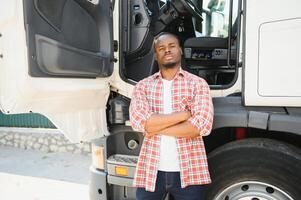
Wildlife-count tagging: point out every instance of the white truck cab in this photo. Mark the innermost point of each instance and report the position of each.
(77, 61)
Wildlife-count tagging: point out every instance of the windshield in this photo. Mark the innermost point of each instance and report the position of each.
(215, 15)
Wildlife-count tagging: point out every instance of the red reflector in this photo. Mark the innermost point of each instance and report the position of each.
(240, 133)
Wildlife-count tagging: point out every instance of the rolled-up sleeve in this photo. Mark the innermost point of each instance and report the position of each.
(139, 108)
(202, 108)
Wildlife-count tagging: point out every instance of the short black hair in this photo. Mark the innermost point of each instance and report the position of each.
(166, 33)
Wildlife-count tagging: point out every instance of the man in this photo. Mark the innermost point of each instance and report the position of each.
(173, 108)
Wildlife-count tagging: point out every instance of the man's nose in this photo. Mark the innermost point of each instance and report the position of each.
(167, 49)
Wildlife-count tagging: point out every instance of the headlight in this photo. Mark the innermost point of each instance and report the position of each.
(98, 156)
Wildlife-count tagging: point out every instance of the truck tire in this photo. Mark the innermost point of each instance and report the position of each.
(255, 169)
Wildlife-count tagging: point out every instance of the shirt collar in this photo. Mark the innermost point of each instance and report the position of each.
(179, 73)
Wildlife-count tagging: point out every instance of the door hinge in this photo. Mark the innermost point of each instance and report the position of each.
(114, 60)
(115, 45)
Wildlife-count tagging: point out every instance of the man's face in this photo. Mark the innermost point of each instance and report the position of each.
(168, 51)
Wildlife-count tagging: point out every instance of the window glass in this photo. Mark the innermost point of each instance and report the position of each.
(216, 17)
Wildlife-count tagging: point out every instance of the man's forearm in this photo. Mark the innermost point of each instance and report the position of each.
(158, 122)
(184, 129)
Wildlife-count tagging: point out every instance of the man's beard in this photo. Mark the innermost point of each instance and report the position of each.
(170, 65)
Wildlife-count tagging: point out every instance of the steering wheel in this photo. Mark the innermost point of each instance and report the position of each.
(192, 9)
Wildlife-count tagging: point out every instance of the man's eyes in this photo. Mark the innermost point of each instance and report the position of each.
(163, 48)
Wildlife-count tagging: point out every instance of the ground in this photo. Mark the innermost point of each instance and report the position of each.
(33, 175)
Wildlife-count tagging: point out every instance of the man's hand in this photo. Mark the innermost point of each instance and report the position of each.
(186, 115)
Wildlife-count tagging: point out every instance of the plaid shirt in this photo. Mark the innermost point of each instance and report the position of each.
(189, 93)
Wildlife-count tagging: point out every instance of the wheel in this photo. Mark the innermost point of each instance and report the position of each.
(255, 169)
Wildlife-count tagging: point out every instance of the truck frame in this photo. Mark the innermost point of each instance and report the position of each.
(77, 61)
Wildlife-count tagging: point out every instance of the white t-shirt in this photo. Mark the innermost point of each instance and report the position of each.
(169, 156)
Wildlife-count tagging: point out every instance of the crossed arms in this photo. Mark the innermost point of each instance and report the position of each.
(197, 121)
(174, 124)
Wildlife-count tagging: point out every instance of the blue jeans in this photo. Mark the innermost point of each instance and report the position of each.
(170, 182)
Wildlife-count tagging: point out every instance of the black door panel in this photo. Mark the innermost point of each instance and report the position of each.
(70, 38)
(54, 58)
(51, 11)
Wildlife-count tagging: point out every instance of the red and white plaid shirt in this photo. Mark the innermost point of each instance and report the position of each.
(189, 92)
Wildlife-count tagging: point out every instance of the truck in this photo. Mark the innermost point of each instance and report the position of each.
(77, 61)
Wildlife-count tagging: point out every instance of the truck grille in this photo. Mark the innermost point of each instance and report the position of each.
(119, 159)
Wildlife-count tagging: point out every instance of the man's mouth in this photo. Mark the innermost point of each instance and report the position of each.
(168, 56)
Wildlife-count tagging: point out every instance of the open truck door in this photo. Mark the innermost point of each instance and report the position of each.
(56, 57)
